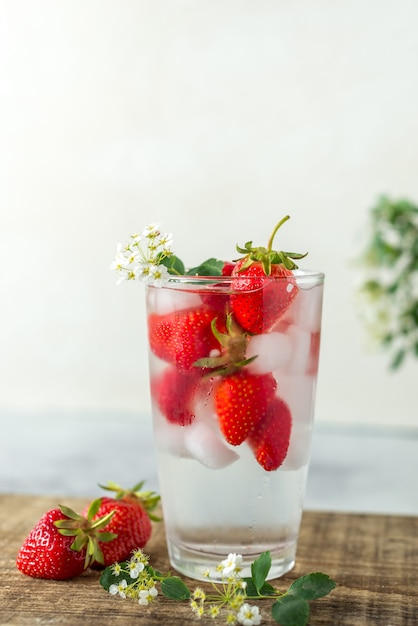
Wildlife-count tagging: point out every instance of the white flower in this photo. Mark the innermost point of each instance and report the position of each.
(143, 271)
(151, 231)
(249, 615)
(158, 275)
(116, 569)
(141, 258)
(147, 595)
(165, 242)
(231, 565)
(119, 589)
(135, 568)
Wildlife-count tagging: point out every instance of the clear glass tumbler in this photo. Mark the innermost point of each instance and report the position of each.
(232, 408)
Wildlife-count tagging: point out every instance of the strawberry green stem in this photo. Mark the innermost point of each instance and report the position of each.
(270, 241)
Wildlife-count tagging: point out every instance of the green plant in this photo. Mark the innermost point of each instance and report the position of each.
(388, 291)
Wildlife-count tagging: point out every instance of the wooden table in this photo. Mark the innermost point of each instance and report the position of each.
(373, 558)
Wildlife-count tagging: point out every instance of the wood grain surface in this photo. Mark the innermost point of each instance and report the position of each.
(373, 559)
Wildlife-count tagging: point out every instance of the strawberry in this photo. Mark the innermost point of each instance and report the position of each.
(270, 440)
(63, 543)
(182, 337)
(241, 401)
(219, 301)
(258, 301)
(130, 522)
(227, 268)
(175, 392)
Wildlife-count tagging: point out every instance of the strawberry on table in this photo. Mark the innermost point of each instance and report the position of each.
(270, 440)
(63, 543)
(257, 301)
(241, 402)
(130, 523)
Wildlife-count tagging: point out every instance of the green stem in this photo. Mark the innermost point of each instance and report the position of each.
(270, 241)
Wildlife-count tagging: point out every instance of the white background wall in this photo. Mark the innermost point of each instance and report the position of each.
(216, 118)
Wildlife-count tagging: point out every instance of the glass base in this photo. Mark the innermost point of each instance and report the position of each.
(193, 561)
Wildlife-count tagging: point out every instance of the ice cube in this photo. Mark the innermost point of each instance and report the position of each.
(273, 351)
(299, 393)
(164, 301)
(300, 350)
(207, 446)
(299, 447)
(306, 309)
(170, 437)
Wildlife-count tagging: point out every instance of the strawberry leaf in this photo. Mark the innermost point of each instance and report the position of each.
(312, 586)
(260, 569)
(290, 611)
(251, 591)
(93, 508)
(108, 577)
(174, 588)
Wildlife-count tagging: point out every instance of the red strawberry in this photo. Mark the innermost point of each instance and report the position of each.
(241, 401)
(219, 300)
(175, 392)
(182, 337)
(258, 301)
(314, 354)
(130, 522)
(227, 268)
(63, 544)
(270, 439)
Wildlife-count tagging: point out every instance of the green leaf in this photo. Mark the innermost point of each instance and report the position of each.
(173, 264)
(210, 267)
(174, 588)
(312, 586)
(251, 591)
(259, 570)
(108, 578)
(290, 611)
(93, 508)
(398, 359)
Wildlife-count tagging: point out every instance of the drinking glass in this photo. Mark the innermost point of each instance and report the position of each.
(220, 496)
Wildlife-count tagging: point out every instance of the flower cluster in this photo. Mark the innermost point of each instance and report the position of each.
(388, 279)
(142, 584)
(229, 598)
(141, 258)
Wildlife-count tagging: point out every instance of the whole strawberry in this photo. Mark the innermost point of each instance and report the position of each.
(241, 402)
(182, 337)
(257, 301)
(270, 440)
(63, 543)
(175, 392)
(130, 522)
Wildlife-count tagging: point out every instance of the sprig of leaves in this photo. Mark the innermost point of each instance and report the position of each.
(290, 607)
(388, 291)
(210, 267)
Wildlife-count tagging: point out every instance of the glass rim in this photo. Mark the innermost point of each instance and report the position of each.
(300, 276)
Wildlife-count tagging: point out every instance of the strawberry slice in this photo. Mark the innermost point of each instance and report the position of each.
(257, 301)
(182, 337)
(270, 440)
(241, 401)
